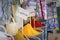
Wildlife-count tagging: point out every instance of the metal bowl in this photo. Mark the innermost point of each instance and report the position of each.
(33, 38)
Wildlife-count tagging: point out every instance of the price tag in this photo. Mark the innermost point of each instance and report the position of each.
(22, 13)
(31, 12)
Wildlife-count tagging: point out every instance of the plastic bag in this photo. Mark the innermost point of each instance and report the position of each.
(12, 28)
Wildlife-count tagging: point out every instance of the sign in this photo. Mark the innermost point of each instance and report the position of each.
(22, 13)
(31, 12)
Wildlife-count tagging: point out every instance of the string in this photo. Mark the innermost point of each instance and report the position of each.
(22, 27)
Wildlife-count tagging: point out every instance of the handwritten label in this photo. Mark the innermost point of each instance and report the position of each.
(22, 13)
(31, 12)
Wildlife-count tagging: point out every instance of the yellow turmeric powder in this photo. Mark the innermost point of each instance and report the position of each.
(29, 31)
(19, 36)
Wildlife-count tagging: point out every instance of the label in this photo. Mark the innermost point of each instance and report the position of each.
(31, 12)
(22, 13)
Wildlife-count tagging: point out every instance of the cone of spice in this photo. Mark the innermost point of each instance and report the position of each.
(29, 31)
(37, 24)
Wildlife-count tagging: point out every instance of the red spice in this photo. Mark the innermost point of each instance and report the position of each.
(37, 24)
